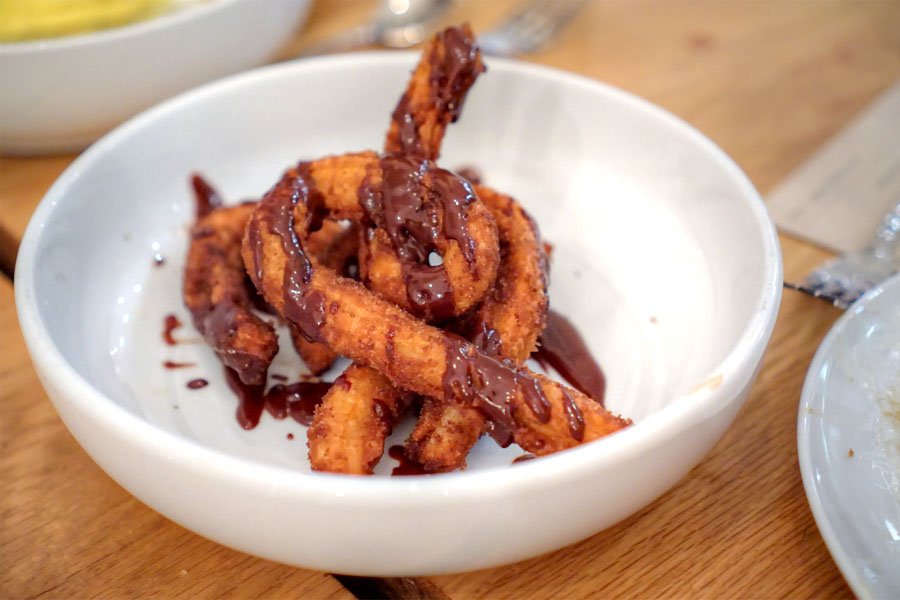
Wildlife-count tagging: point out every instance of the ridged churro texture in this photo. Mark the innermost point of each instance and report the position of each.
(507, 324)
(216, 294)
(350, 425)
(434, 97)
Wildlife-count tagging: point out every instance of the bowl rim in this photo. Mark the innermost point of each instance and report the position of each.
(176, 17)
(737, 368)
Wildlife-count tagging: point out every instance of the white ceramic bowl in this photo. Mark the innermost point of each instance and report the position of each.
(664, 257)
(59, 95)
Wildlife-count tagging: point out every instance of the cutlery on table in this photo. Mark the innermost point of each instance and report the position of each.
(843, 279)
(530, 28)
(405, 23)
(396, 24)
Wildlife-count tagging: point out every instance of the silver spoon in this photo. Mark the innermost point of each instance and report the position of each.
(396, 24)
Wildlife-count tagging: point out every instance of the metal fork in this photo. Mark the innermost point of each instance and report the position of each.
(530, 28)
(843, 279)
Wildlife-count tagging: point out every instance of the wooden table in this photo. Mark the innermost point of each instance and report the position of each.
(769, 81)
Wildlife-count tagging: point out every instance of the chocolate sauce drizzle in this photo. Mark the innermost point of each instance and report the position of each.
(219, 325)
(407, 127)
(562, 347)
(297, 400)
(170, 324)
(304, 307)
(416, 204)
(454, 71)
(178, 365)
(208, 199)
(491, 385)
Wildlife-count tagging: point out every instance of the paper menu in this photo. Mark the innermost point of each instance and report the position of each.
(838, 197)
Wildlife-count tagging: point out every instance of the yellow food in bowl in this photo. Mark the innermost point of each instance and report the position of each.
(22, 20)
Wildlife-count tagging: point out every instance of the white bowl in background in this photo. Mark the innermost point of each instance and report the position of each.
(60, 94)
(664, 257)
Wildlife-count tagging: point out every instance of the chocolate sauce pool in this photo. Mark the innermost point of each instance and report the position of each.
(406, 466)
(562, 347)
(170, 324)
(297, 400)
(207, 197)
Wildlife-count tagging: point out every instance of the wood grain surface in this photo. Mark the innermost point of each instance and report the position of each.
(767, 80)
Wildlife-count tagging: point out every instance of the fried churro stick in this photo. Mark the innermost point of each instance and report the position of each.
(348, 436)
(412, 228)
(506, 325)
(215, 289)
(435, 94)
(336, 247)
(433, 99)
(543, 415)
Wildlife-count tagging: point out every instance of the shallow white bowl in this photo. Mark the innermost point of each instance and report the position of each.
(664, 257)
(61, 94)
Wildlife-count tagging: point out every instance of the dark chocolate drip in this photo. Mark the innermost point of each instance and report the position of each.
(429, 291)
(170, 324)
(415, 213)
(304, 307)
(297, 400)
(535, 399)
(409, 220)
(455, 194)
(208, 199)
(574, 416)
(196, 384)
(453, 71)
(406, 466)
(562, 348)
(486, 339)
(315, 202)
(219, 326)
(178, 365)
(491, 386)
(251, 399)
(407, 128)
